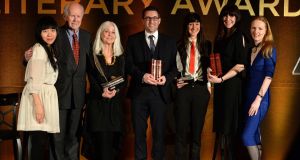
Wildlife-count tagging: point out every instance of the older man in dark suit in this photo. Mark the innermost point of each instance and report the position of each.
(149, 95)
(73, 46)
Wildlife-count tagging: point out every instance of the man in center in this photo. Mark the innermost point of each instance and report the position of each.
(149, 95)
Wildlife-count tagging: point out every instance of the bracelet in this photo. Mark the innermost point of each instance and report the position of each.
(222, 79)
(260, 95)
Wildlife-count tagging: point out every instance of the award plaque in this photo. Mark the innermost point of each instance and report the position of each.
(111, 85)
(215, 64)
(156, 68)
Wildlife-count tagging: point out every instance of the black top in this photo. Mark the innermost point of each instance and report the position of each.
(104, 114)
(228, 95)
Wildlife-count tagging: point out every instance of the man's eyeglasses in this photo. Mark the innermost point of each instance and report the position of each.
(151, 18)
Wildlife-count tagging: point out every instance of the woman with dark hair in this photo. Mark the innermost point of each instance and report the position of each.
(260, 70)
(193, 90)
(38, 113)
(230, 44)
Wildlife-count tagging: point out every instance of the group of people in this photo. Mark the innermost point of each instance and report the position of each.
(54, 95)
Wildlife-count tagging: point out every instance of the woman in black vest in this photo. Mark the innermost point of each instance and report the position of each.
(193, 90)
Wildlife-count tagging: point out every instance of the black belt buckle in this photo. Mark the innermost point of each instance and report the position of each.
(193, 83)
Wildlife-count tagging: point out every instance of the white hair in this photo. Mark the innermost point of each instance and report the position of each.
(98, 44)
(67, 8)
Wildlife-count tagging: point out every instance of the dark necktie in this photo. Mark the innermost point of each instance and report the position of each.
(76, 47)
(192, 59)
(152, 45)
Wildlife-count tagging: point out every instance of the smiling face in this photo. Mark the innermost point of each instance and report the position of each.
(194, 29)
(258, 31)
(229, 21)
(49, 35)
(74, 16)
(108, 35)
(151, 21)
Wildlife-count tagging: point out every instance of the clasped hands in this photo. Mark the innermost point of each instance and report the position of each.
(180, 83)
(150, 79)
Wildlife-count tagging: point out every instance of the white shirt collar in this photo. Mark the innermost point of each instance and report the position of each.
(195, 41)
(155, 34)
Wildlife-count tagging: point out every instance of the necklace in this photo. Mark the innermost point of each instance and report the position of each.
(256, 47)
(254, 53)
(112, 61)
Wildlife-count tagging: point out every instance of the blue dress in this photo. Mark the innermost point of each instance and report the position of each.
(256, 73)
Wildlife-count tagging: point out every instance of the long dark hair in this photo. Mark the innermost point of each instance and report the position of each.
(232, 10)
(47, 22)
(189, 18)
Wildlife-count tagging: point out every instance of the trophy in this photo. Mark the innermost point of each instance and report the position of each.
(215, 64)
(156, 68)
(111, 85)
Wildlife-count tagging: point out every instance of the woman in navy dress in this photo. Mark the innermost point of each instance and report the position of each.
(259, 76)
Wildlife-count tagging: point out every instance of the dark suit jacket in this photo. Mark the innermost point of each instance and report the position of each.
(138, 62)
(205, 50)
(71, 82)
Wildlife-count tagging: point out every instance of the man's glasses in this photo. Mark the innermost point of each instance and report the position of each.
(151, 18)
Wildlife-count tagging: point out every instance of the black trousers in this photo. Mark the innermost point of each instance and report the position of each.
(106, 145)
(39, 145)
(149, 104)
(190, 110)
(66, 143)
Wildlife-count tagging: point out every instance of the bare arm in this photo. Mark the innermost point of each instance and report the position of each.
(256, 103)
(231, 73)
(38, 108)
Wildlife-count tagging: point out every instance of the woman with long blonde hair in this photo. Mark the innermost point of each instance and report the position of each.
(104, 106)
(260, 70)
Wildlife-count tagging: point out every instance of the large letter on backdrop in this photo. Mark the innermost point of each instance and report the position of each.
(248, 6)
(124, 4)
(263, 5)
(23, 6)
(205, 8)
(178, 5)
(6, 8)
(146, 2)
(45, 11)
(286, 10)
(101, 5)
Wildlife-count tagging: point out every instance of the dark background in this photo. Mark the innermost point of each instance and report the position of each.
(281, 126)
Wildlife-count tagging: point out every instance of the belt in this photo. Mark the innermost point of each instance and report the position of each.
(192, 82)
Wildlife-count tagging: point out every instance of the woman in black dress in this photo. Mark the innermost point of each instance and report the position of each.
(104, 106)
(229, 42)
